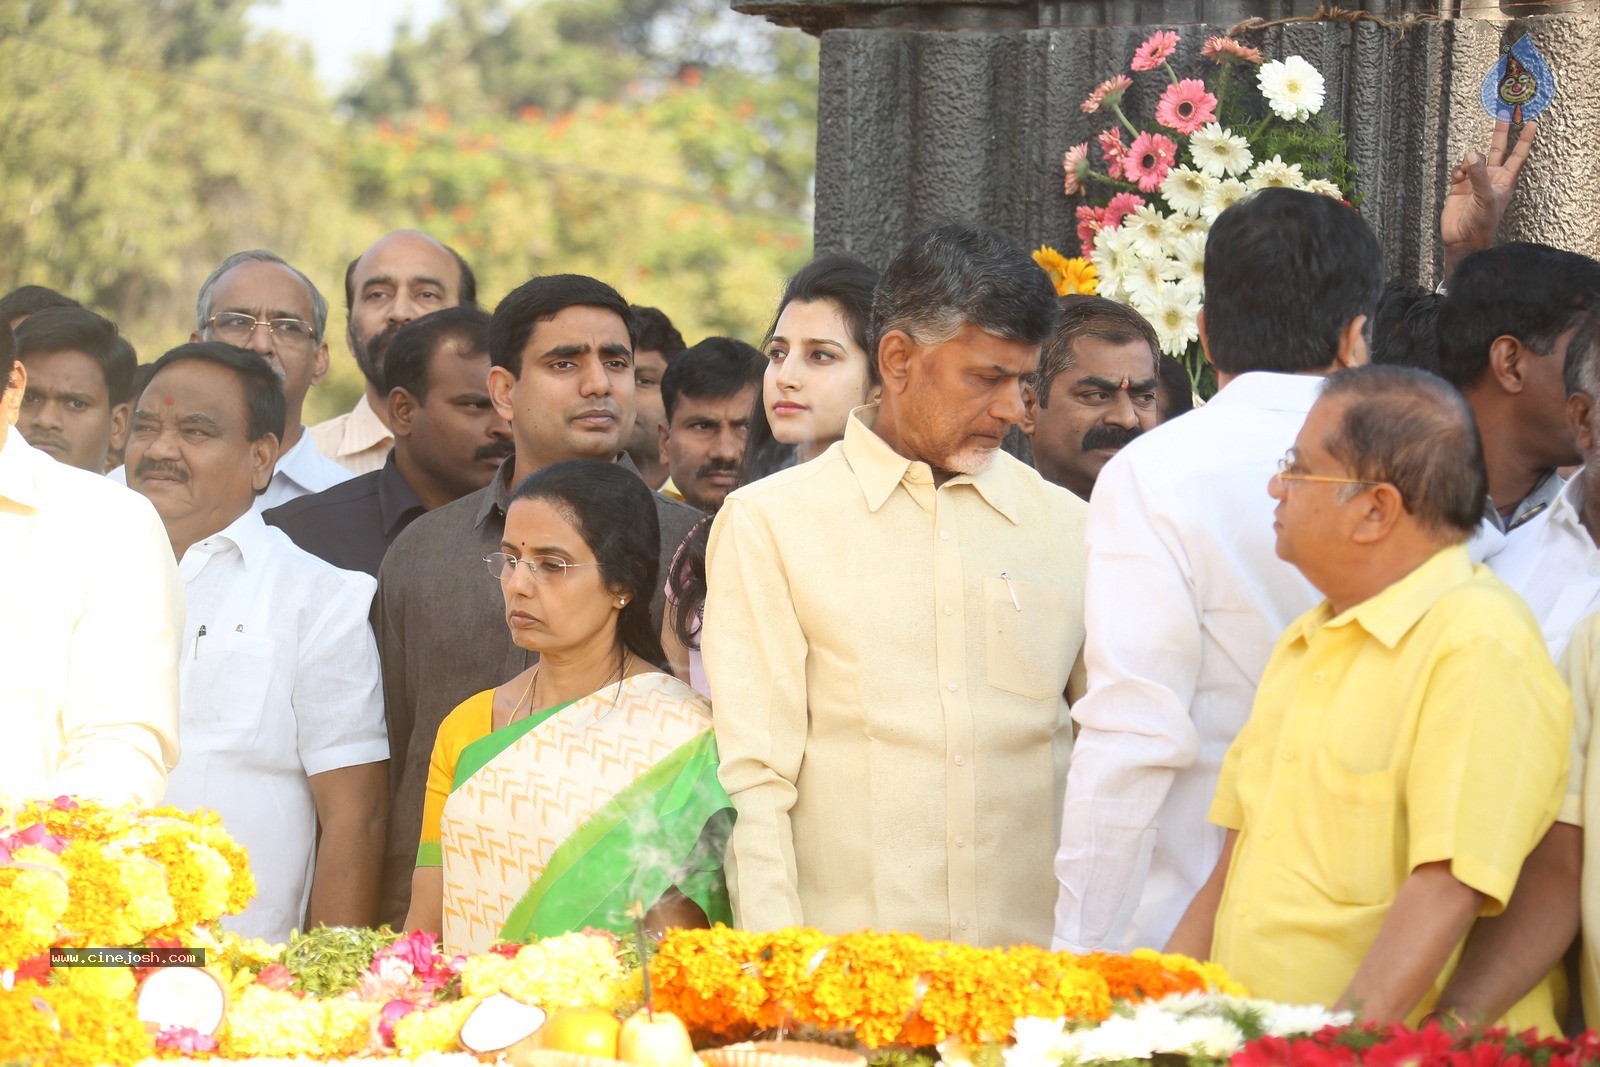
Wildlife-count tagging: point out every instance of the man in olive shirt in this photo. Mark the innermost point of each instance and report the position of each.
(561, 349)
(890, 629)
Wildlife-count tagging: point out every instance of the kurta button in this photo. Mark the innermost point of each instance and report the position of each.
(961, 761)
(963, 924)
(944, 535)
(1288, 755)
(951, 686)
(948, 610)
(1318, 677)
(961, 842)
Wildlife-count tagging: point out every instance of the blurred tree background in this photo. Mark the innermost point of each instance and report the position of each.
(666, 146)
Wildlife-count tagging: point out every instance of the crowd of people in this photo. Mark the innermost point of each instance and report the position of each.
(567, 615)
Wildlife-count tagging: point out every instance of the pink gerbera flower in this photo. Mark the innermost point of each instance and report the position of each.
(1120, 207)
(1186, 106)
(1107, 94)
(1227, 50)
(1156, 50)
(1113, 149)
(1091, 220)
(1075, 164)
(1149, 158)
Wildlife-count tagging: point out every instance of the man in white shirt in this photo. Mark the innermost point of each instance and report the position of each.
(256, 301)
(403, 276)
(281, 704)
(1553, 561)
(1185, 596)
(90, 625)
(1504, 329)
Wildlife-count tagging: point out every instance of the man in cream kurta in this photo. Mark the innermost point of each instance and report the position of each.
(90, 625)
(890, 639)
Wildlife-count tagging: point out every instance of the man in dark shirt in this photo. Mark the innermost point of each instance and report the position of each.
(562, 355)
(448, 441)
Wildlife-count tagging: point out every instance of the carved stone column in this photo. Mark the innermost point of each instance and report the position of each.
(935, 108)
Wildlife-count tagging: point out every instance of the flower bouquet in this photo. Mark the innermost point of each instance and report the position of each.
(1151, 199)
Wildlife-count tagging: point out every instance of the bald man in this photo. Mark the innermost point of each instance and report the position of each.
(403, 276)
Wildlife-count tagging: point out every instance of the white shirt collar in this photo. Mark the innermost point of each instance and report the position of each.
(1270, 390)
(308, 468)
(247, 535)
(18, 465)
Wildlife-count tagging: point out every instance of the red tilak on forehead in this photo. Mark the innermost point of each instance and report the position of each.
(169, 401)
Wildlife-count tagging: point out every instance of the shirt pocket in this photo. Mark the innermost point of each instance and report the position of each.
(1350, 832)
(1026, 631)
(228, 684)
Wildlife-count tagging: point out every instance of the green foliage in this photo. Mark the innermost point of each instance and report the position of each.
(1317, 145)
(665, 146)
(329, 960)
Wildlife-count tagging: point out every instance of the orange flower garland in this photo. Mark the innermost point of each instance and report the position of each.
(897, 988)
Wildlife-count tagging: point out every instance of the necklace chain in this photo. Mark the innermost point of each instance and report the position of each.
(518, 712)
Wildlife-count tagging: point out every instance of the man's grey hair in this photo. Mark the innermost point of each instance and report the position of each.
(202, 304)
(1582, 369)
(1415, 431)
(957, 274)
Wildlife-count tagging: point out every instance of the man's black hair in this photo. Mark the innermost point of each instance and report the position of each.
(714, 369)
(654, 332)
(1286, 271)
(32, 299)
(464, 330)
(264, 402)
(1405, 327)
(538, 299)
(75, 329)
(1532, 292)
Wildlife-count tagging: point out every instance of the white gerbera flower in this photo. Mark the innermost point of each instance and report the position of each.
(1185, 189)
(1293, 88)
(1220, 152)
(1287, 1020)
(1118, 1038)
(1185, 225)
(1221, 196)
(1148, 274)
(1113, 258)
(1147, 226)
(1209, 1037)
(1039, 1043)
(1175, 315)
(1275, 172)
(1189, 259)
(1325, 187)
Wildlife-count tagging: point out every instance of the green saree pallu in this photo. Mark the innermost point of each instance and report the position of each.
(564, 819)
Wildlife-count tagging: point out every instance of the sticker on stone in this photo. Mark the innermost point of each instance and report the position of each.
(1519, 86)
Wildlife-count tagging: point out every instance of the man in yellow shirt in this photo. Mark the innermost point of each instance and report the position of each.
(890, 630)
(1409, 742)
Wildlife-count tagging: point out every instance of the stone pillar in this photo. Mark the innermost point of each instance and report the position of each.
(932, 109)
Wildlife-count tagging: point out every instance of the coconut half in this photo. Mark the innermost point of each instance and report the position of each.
(189, 998)
(499, 1023)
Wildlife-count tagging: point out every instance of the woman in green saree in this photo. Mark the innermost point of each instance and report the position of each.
(588, 782)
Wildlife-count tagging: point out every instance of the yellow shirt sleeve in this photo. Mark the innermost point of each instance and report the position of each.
(471, 720)
(1582, 671)
(1489, 768)
(755, 658)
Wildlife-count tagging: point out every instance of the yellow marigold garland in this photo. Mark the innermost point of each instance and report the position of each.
(573, 970)
(33, 887)
(66, 1026)
(897, 988)
(434, 1030)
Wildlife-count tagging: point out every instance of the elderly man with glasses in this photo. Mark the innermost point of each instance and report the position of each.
(1409, 741)
(256, 301)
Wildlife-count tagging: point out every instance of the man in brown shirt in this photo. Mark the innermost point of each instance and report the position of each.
(561, 349)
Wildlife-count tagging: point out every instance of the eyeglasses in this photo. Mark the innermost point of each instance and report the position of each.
(1288, 473)
(237, 328)
(545, 569)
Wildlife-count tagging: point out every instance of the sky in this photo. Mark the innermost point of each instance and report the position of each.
(342, 30)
